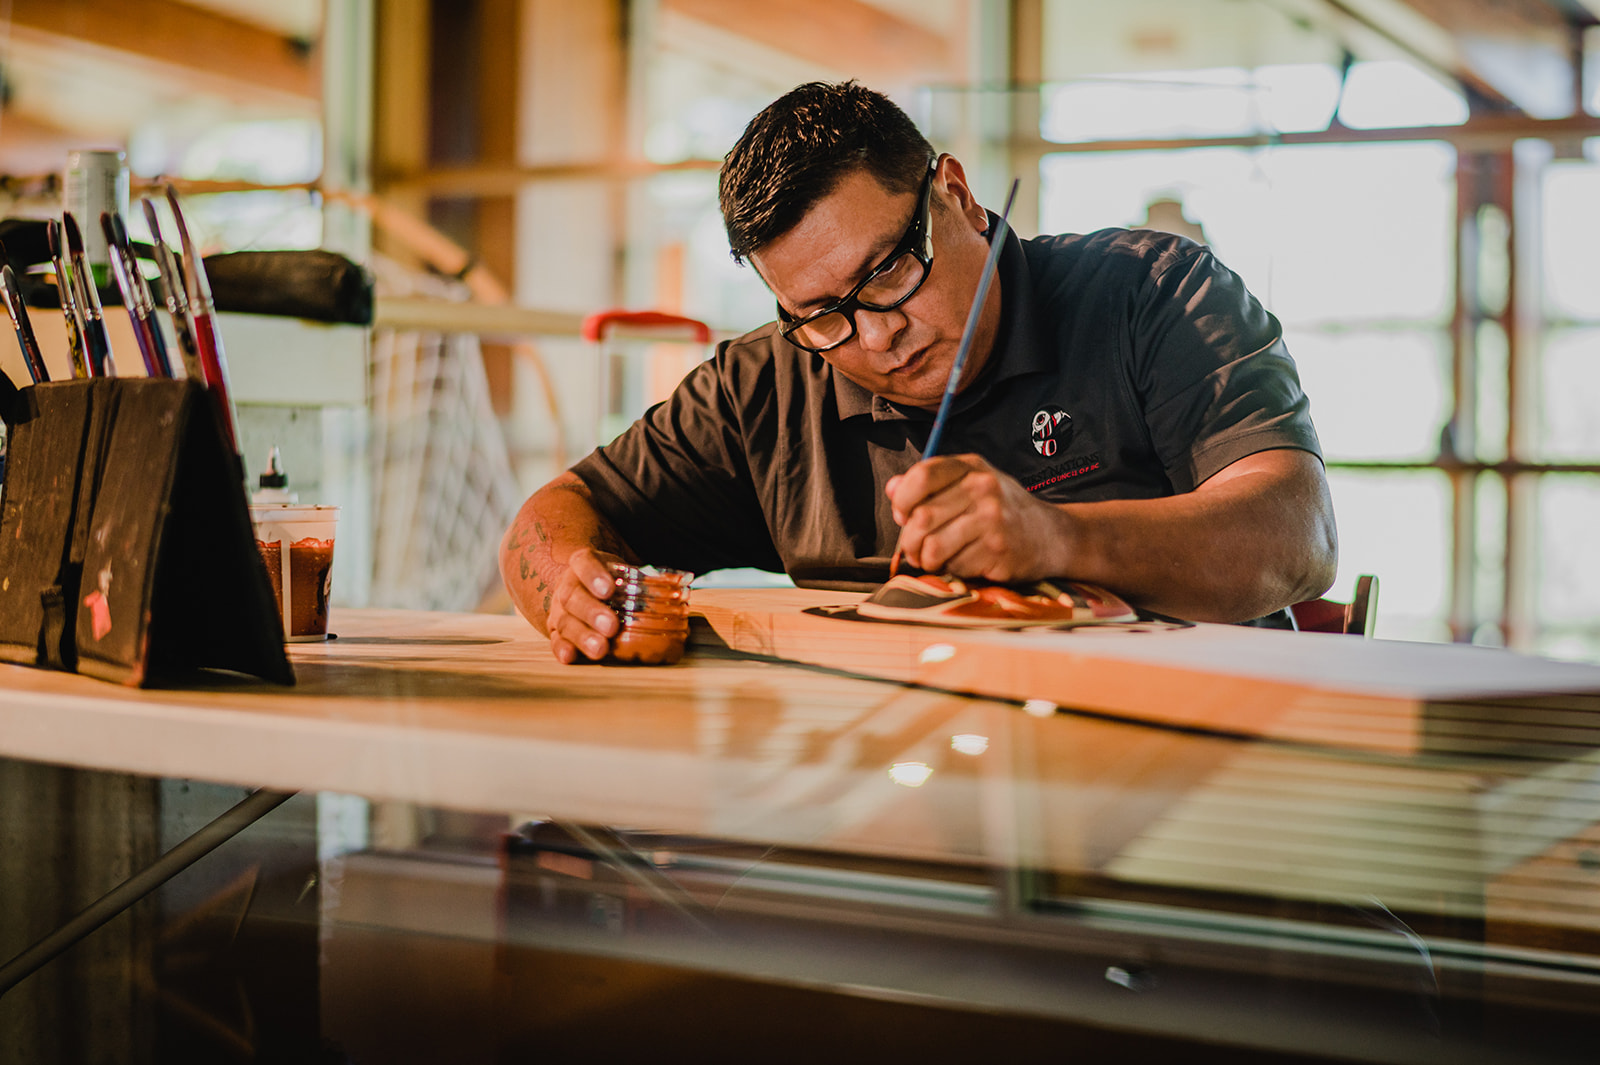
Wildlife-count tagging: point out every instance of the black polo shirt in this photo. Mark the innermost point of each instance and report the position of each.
(1128, 365)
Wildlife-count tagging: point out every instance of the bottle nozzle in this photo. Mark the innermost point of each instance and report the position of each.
(273, 476)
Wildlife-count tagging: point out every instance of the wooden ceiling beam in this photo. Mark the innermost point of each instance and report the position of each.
(850, 36)
(1499, 18)
(203, 46)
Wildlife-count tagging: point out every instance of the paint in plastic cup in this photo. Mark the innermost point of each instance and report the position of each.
(296, 543)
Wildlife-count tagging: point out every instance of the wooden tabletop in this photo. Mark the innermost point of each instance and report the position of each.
(1319, 688)
(1211, 794)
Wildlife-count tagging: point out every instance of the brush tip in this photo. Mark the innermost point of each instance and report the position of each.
(74, 238)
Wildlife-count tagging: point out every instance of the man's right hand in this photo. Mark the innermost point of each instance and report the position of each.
(581, 625)
(553, 559)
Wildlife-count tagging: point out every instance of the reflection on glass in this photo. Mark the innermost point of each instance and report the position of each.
(910, 774)
(969, 743)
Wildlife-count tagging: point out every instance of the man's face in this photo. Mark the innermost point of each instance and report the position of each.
(903, 354)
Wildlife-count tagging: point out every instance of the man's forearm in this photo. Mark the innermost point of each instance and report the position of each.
(556, 520)
(1261, 538)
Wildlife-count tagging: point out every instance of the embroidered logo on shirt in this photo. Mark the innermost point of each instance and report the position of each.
(1076, 466)
(1051, 427)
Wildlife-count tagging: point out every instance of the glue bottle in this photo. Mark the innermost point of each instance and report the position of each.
(274, 483)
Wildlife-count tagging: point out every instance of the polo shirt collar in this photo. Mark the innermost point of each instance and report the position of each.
(1017, 348)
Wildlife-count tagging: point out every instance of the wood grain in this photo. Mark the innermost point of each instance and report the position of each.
(1316, 688)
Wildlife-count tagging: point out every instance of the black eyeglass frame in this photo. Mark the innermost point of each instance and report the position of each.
(918, 240)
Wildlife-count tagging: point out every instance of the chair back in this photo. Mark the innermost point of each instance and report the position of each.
(1355, 618)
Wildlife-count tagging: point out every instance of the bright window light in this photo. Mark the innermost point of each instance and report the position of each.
(1189, 103)
(1387, 93)
(1297, 97)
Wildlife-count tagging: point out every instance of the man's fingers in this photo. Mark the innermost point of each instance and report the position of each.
(562, 648)
(583, 637)
(591, 571)
(578, 618)
(926, 480)
(934, 549)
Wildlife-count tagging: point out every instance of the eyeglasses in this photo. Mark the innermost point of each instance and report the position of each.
(888, 285)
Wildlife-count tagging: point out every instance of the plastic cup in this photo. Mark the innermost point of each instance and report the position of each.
(296, 543)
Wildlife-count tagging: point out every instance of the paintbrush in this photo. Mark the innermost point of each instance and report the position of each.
(96, 341)
(18, 311)
(177, 299)
(997, 240)
(135, 296)
(65, 290)
(202, 313)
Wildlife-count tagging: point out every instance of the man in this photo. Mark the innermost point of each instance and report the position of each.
(1128, 415)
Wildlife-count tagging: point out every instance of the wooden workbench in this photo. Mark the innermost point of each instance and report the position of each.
(744, 741)
(1231, 775)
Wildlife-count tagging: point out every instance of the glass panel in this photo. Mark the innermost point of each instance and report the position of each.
(1321, 234)
(1571, 218)
(1493, 398)
(1570, 396)
(1396, 526)
(1569, 566)
(1359, 233)
(1489, 572)
(1375, 396)
(1393, 92)
(1186, 103)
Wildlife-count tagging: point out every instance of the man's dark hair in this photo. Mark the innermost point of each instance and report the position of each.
(798, 150)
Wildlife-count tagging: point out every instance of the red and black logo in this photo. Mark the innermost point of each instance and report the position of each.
(1051, 428)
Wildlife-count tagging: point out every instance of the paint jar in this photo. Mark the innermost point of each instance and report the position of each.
(94, 181)
(296, 543)
(653, 606)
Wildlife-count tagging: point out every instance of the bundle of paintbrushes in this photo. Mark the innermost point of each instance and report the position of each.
(125, 539)
(185, 288)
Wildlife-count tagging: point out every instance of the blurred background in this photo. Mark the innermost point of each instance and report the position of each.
(1411, 186)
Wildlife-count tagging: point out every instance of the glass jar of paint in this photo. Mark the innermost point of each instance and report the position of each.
(653, 607)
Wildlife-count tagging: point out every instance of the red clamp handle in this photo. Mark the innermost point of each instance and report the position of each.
(599, 324)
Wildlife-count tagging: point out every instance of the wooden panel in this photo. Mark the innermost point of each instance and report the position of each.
(1340, 690)
(216, 47)
(859, 39)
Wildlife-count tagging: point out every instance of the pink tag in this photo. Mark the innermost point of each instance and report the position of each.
(99, 613)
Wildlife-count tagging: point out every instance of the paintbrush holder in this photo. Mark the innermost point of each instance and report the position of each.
(126, 550)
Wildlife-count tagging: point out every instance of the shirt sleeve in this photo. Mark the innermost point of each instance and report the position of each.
(1214, 378)
(677, 487)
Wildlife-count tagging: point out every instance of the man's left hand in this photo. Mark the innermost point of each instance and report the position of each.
(960, 515)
